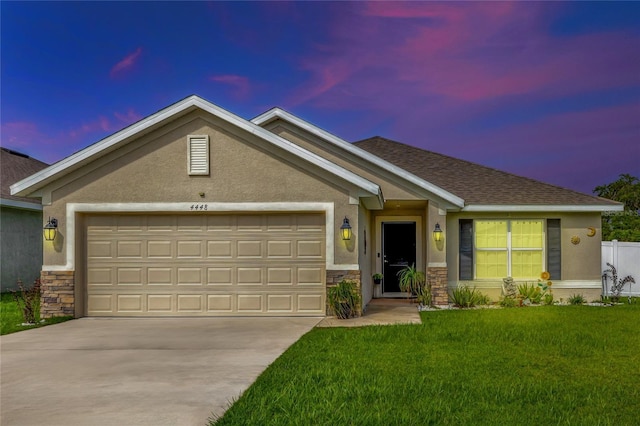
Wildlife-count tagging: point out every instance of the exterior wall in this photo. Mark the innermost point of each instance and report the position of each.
(335, 276)
(437, 278)
(365, 249)
(20, 246)
(57, 294)
(300, 137)
(580, 262)
(153, 169)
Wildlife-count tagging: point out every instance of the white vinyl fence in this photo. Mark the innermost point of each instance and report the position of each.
(626, 258)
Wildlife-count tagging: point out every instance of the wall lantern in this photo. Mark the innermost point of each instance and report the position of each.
(345, 229)
(50, 229)
(437, 233)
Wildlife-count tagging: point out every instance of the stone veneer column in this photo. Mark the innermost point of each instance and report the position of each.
(57, 294)
(437, 278)
(335, 276)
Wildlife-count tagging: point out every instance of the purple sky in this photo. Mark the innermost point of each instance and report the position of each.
(548, 90)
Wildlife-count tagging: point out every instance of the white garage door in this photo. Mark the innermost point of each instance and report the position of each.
(205, 264)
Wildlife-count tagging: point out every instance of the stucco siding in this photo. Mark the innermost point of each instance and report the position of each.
(580, 262)
(21, 246)
(308, 141)
(153, 169)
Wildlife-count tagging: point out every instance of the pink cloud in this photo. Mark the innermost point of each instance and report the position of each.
(458, 53)
(126, 63)
(27, 136)
(239, 83)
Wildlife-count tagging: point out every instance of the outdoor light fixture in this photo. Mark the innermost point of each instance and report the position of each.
(437, 233)
(345, 229)
(50, 229)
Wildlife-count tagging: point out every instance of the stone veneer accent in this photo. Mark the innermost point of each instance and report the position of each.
(335, 276)
(57, 294)
(437, 278)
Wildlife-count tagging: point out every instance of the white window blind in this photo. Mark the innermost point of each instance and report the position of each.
(198, 154)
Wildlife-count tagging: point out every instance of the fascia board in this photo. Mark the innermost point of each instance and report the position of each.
(27, 185)
(23, 205)
(542, 208)
(276, 113)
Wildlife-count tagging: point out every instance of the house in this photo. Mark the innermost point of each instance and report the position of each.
(20, 222)
(194, 211)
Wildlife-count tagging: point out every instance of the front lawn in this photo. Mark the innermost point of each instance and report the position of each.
(11, 316)
(574, 365)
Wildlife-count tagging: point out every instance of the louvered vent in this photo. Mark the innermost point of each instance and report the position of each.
(198, 155)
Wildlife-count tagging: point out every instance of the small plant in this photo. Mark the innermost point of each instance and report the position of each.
(465, 297)
(344, 299)
(529, 293)
(423, 295)
(576, 299)
(377, 278)
(616, 284)
(547, 299)
(28, 300)
(412, 281)
(508, 302)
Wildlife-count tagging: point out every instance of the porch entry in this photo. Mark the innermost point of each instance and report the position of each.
(398, 251)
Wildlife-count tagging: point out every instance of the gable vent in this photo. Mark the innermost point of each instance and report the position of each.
(198, 157)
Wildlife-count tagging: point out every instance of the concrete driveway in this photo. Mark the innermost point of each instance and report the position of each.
(175, 371)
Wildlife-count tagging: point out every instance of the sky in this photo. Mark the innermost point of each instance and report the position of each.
(546, 90)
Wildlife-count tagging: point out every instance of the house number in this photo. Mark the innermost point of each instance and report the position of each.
(198, 207)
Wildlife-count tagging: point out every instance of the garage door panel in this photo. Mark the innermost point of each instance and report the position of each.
(205, 264)
(129, 303)
(160, 276)
(190, 302)
(160, 249)
(189, 249)
(220, 249)
(220, 276)
(250, 303)
(99, 249)
(129, 276)
(190, 276)
(160, 303)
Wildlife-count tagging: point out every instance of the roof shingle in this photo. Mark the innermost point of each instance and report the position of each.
(474, 183)
(15, 166)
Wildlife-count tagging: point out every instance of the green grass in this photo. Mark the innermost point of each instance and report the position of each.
(11, 316)
(550, 365)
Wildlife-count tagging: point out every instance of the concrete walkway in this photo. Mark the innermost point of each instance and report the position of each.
(379, 312)
(173, 371)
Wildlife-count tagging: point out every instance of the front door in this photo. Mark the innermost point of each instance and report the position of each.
(398, 251)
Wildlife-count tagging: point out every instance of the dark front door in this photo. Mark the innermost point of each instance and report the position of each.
(398, 251)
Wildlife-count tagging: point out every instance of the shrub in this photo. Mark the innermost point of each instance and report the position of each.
(465, 297)
(576, 299)
(28, 300)
(344, 299)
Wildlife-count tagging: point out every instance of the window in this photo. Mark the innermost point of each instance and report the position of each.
(494, 249)
(198, 154)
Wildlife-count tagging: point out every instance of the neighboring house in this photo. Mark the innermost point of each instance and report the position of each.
(20, 223)
(196, 211)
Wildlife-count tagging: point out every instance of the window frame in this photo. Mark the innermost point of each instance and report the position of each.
(509, 247)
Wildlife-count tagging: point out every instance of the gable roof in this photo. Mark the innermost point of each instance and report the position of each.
(376, 160)
(483, 188)
(15, 166)
(75, 161)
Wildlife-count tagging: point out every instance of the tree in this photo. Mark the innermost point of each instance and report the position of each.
(625, 225)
